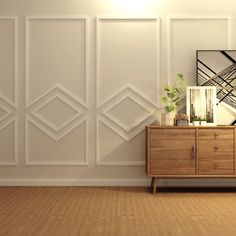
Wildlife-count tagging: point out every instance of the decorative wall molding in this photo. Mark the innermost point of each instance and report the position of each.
(27, 30)
(125, 132)
(56, 131)
(187, 18)
(13, 103)
(29, 119)
(6, 108)
(15, 160)
(123, 135)
(58, 91)
(128, 91)
(7, 105)
(132, 93)
(99, 19)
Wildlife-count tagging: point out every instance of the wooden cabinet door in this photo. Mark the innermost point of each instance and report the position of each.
(172, 152)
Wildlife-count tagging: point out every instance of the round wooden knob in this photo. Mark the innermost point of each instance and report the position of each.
(216, 134)
(216, 147)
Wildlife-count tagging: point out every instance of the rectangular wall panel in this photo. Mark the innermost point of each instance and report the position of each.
(127, 87)
(9, 143)
(56, 90)
(188, 34)
(8, 91)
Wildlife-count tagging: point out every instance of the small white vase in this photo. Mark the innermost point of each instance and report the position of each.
(203, 123)
(196, 123)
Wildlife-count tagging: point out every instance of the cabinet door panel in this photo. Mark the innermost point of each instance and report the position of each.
(172, 157)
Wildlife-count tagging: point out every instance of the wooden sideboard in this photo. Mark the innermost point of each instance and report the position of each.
(190, 152)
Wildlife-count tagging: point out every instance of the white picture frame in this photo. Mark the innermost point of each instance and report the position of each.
(201, 104)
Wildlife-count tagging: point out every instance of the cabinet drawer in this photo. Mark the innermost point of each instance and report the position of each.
(214, 134)
(216, 147)
(216, 157)
(216, 167)
(158, 135)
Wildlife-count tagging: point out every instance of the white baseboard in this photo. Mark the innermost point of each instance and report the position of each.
(120, 182)
(77, 182)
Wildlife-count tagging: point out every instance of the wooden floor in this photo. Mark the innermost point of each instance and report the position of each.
(127, 211)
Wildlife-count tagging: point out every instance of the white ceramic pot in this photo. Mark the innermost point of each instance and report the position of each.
(196, 123)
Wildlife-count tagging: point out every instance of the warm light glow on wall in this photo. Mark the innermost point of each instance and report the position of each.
(133, 4)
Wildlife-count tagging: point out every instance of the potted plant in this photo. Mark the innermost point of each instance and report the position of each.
(171, 99)
(203, 121)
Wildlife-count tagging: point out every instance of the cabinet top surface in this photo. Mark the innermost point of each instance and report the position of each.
(192, 127)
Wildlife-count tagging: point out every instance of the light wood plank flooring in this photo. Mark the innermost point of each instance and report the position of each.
(128, 211)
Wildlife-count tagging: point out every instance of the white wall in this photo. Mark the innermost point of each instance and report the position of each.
(80, 79)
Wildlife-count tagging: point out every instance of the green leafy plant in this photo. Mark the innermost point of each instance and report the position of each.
(198, 118)
(173, 93)
(202, 119)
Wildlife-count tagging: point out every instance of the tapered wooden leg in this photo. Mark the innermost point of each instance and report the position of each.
(152, 182)
(154, 185)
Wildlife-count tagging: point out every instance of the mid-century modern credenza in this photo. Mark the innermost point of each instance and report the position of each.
(190, 152)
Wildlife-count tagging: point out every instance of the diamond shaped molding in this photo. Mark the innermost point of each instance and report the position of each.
(129, 97)
(58, 125)
(51, 122)
(127, 125)
(6, 108)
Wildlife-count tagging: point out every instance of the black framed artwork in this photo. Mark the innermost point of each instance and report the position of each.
(218, 68)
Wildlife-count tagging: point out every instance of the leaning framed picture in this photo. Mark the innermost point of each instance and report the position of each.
(218, 68)
(201, 104)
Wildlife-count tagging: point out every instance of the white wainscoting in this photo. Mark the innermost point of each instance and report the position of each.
(56, 91)
(8, 90)
(76, 91)
(128, 57)
(186, 34)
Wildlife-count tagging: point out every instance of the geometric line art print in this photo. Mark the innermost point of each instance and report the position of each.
(218, 68)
